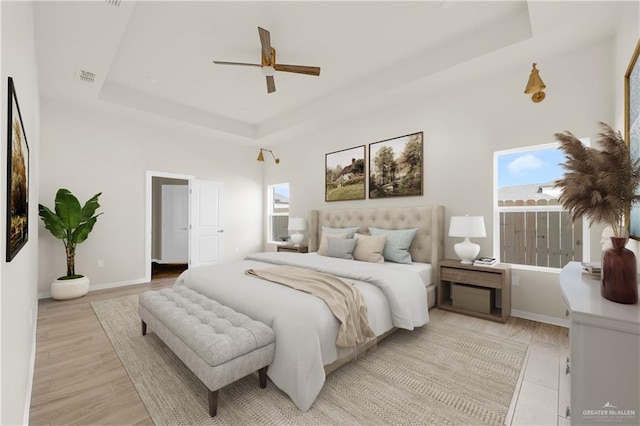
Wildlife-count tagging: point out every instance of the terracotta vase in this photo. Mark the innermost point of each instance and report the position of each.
(619, 273)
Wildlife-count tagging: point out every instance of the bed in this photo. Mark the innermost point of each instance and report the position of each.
(305, 328)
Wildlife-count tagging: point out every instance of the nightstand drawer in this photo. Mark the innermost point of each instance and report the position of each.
(293, 249)
(480, 278)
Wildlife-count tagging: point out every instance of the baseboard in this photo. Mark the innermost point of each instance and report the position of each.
(562, 322)
(104, 286)
(31, 372)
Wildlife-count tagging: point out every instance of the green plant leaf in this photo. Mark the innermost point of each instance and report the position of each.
(82, 231)
(68, 208)
(51, 222)
(90, 208)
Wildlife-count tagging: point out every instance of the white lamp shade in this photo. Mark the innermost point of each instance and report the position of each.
(297, 224)
(467, 226)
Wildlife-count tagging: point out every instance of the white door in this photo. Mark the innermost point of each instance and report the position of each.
(175, 222)
(206, 233)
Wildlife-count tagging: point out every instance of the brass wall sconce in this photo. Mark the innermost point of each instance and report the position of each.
(261, 157)
(535, 86)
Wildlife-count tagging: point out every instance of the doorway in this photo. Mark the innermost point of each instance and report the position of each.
(167, 224)
(198, 216)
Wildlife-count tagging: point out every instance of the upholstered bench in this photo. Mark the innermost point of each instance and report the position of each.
(218, 344)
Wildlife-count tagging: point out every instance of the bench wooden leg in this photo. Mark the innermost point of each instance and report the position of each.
(262, 375)
(213, 403)
(144, 328)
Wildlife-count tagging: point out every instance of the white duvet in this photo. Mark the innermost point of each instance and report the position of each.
(304, 327)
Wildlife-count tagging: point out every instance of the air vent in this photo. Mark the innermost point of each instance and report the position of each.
(115, 3)
(87, 76)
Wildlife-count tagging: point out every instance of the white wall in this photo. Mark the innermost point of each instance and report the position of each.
(463, 125)
(18, 291)
(91, 151)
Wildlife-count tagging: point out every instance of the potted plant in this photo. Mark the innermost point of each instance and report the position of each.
(600, 184)
(72, 224)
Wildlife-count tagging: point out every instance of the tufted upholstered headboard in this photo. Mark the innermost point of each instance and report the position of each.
(427, 246)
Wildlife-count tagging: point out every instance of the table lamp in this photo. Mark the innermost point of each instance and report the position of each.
(297, 224)
(466, 227)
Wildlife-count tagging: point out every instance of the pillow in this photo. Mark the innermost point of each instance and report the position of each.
(348, 231)
(342, 249)
(396, 249)
(369, 248)
(322, 249)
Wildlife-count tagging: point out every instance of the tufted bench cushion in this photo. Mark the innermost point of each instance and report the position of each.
(217, 343)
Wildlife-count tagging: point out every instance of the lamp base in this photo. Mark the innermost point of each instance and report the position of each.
(296, 239)
(467, 251)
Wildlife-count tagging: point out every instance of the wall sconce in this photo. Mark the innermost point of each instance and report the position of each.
(261, 157)
(535, 86)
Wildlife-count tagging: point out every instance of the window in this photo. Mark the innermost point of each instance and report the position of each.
(278, 212)
(531, 228)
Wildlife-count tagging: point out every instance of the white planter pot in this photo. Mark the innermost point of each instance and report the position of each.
(69, 289)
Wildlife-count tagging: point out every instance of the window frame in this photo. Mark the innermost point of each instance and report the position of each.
(586, 240)
(271, 213)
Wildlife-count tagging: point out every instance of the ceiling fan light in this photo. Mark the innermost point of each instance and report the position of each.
(269, 71)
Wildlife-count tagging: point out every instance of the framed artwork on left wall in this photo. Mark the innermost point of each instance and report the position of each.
(632, 127)
(17, 177)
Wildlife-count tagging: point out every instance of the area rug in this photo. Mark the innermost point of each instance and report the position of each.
(435, 375)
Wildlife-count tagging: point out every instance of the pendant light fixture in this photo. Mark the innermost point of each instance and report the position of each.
(535, 86)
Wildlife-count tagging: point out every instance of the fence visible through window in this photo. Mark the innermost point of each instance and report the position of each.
(535, 235)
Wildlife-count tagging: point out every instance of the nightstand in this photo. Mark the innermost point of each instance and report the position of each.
(293, 249)
(474, 281)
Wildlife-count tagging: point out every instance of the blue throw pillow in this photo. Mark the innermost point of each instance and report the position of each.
(396, 248)
(349, 231)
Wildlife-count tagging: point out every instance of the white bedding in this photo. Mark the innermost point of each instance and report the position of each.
(304, 327)
(424, 270)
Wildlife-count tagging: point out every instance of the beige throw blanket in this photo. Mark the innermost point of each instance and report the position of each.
(343, 298)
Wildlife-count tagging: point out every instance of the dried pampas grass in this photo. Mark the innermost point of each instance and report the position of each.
(598, 184)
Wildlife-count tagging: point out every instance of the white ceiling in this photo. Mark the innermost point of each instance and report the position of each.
(156, 56)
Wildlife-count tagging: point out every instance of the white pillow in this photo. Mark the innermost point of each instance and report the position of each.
(369, 248)
(322, 250)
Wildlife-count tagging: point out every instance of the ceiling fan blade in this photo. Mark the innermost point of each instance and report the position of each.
(265, 40)
(236, 63)
(300, 69)
(271, 84)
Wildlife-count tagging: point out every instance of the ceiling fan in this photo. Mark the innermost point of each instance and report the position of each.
(269, 65)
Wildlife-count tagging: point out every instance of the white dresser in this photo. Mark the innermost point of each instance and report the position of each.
(604, 361)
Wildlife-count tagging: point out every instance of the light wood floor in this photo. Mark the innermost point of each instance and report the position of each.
(79, 379)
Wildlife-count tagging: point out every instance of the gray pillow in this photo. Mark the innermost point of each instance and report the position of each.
(340, 248)
(396, 248)
(324, 241)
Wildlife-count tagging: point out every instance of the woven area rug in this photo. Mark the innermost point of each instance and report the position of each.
(437, 375)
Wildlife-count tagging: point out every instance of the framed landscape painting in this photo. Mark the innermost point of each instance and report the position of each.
(345, 175)
(395, 167)
(632, 127)
(17, 178)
